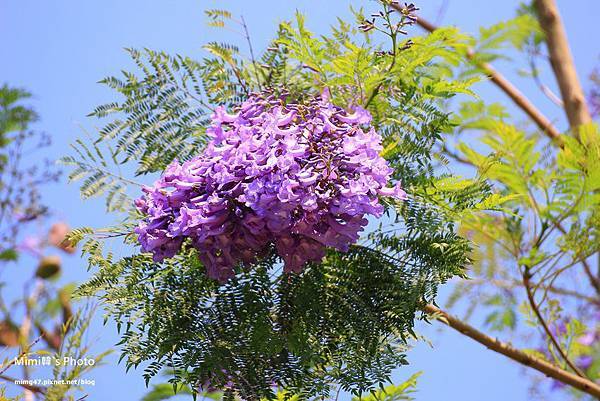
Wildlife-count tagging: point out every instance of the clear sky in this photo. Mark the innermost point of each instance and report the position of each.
(59, 49)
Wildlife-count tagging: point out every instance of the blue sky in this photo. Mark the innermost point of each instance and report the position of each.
(60, 49)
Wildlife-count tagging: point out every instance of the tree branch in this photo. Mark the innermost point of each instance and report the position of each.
(445, 150)
(30, 387)
(505, 85)
(562, 63)
(540, 318)
(580, 383)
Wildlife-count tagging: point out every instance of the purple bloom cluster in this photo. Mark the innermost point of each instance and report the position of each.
(301, 177)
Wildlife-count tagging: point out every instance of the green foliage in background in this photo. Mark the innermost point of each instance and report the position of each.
(42, 320)
(535, 270)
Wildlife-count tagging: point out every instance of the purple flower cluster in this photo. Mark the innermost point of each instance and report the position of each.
(301, 177)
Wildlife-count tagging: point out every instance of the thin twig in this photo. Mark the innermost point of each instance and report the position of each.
(542, 321)
(536, 77)
(252, 58)
(457, 157)
(30, 387)
(393, 36)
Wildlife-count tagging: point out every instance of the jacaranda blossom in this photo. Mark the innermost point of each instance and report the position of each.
(297, 178)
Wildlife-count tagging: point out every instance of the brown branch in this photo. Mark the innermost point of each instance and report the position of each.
(590, 275)
(562, 63)
(453, 155)
(580, 383)
(542, 321)
(507, 87)
(53, 340)
(30, 387)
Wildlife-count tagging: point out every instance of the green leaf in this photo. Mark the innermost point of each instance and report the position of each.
(9, 255)
(164, 391)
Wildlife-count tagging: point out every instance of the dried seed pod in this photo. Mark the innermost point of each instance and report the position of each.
(9, 334)
(57, 236)
(49, 267)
